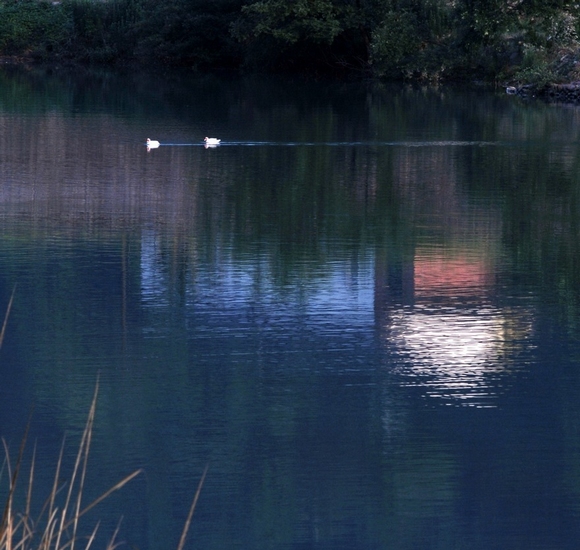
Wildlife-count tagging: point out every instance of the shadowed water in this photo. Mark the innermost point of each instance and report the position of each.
(360, 309)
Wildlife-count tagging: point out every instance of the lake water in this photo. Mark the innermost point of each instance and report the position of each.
(361, 310)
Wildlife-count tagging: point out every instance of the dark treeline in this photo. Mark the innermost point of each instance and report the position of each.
(524, 40)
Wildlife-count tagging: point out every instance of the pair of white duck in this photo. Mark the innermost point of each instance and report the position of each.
(153, 144)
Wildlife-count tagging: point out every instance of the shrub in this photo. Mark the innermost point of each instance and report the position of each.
(31, 27)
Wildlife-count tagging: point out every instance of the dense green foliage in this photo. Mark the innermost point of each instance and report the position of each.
(418, 39)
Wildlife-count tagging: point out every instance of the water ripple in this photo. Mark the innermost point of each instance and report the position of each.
(442, 143)
(454, 355)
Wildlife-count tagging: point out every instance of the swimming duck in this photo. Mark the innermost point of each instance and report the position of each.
(152, 144)
(212, 141)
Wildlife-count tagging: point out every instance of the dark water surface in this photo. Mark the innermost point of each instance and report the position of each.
(361, 309)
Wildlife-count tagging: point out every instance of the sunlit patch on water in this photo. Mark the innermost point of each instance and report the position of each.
(449, 336)
(458, 356)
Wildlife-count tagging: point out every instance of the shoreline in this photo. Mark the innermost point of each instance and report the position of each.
(551, 92)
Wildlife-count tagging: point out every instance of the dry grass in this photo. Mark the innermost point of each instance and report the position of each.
(56, 527)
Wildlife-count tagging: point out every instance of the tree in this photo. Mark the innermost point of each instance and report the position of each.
(306, 33)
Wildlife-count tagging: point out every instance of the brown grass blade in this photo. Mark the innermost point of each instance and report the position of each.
(48, 533)
(112, 544)
(92, 537)
(116, 487)
(80, 464)
(50, 508)
(191, 510)
(6, 315)
(14, 478)
(30, 483)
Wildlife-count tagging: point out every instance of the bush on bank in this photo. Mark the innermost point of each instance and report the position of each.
(535, 40)
(30, 27)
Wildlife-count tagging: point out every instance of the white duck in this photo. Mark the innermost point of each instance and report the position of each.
(152, 143)
(212, 141)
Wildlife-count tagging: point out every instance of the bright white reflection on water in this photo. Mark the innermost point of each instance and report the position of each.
(456, 355)
(451, 340)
